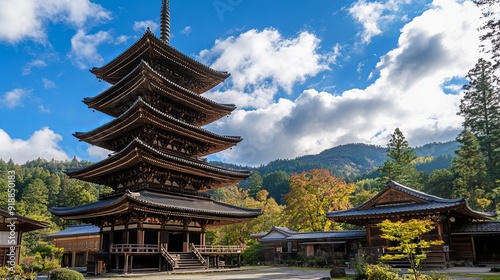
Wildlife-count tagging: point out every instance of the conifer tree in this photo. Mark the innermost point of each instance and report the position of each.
(400, 165)
(255, 184)
(471, 170)
(480, 107)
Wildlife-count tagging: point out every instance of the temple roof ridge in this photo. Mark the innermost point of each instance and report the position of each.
(420, 202)
(424, 197)
(140, 101)
(144, 64)
(137, 143)
(187, 206)
(150, 39)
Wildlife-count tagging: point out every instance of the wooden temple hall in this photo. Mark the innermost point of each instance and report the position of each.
(469, 236)
(157, 216)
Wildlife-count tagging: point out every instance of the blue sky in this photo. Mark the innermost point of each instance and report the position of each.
(305, 75)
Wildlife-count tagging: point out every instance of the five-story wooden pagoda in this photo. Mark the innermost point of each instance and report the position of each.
(157, 210)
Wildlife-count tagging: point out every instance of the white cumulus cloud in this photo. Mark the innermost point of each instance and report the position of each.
(14, 98)
(373, 15)
(34, 63)
(27, 19)
(98, 153)
(409, 92)
(84, 52)
(141, 26)
(261, 62)
(48, 84)
(42, 144)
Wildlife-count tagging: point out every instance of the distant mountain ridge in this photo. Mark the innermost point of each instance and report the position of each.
(352, 160)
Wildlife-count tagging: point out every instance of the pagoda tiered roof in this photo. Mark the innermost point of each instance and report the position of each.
(160, 203)
(397, 200)
(185, 71)
(150, 125)
(143, 81)
(139, 163)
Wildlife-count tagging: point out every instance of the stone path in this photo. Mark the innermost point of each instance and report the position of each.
(271, 273)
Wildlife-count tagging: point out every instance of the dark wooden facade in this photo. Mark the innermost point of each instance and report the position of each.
(398, 202)
(282, 245)
(12, 228)
(158, 210)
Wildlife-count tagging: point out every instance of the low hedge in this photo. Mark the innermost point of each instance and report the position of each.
(65, 274)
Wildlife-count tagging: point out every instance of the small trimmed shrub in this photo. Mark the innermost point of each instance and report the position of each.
(439, 276)
(381, 272)
(495, 269)
(359, 265)
(65, 274)
(253, 253)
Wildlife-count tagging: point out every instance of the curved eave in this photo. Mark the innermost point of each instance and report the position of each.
(151, 46)
(137, 152)
(357, 216)
(140, 114)
(195, 206)
(418, 196)
(145, 77)
(24, 224)
(164, 204)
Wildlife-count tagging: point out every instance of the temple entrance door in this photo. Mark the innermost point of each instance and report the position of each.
(106, 242)
(487, 248)
(195, 238)
(175, 240)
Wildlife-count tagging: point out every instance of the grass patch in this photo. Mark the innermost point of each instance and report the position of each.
(478, 276)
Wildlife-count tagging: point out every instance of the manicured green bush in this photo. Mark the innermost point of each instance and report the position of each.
(65, 274)
(495, 269)
(253, 253)
(381, 272)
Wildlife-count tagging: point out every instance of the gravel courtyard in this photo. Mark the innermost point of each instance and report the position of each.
(270, 273)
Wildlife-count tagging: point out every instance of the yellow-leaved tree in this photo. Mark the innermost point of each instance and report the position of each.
(239, 233)
(313, 194)
(409, 242)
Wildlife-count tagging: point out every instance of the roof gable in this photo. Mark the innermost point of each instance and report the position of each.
(397, 200)
(277, 234)
(397, 194)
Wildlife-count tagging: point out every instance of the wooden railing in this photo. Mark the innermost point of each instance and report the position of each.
(223, 249)
(198, 255)
(133, 248)
(168, 257)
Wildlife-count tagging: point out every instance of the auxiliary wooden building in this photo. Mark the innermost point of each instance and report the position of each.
(80, 244)
(12, 228)
(282, 245)
(158, 214)
(468, 235)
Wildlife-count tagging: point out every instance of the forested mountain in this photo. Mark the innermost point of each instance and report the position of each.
(53, 187)
(354, 160)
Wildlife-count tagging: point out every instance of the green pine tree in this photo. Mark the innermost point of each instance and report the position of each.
(400, 166)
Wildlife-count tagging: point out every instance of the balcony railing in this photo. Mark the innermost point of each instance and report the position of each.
(222, 249)
(134, 248)
(153, 248)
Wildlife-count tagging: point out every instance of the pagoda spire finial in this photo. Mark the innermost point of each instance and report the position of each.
(165, 21)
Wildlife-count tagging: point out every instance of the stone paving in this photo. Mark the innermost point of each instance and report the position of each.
(270, 273)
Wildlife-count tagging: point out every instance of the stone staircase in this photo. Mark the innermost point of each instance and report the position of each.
(187, 261)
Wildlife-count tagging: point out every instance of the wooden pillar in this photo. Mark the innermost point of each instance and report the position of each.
(185, 243)
(125, 264)
(131, 263)
(473, 248)
(369, 235)
(117, 261)
(202, 239)
(140, 236)
(73, 258)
